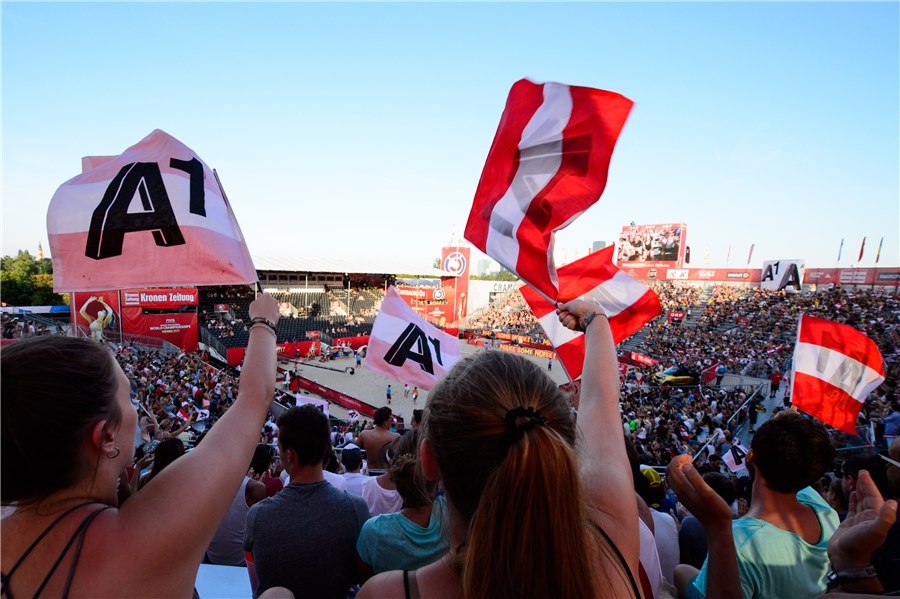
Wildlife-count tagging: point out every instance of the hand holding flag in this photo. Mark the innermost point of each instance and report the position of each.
(835, 369)
(627, 303)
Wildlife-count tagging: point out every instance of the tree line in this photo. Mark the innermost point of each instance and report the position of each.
(27, 281)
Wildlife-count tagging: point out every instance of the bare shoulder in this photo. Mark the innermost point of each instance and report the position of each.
(385, 585)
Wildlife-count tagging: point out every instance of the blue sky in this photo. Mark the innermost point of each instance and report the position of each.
(348, 129)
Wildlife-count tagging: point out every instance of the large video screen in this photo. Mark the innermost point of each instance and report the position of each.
(652, 245)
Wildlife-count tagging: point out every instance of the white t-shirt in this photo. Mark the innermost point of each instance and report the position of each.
(379, 499)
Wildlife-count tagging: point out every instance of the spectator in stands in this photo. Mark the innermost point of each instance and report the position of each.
(376, 440)
(165, 453)
(304, 538)
(154, 544)
(501, 436)
(691, 534)
(415, 536)
(351, 458)
(788, 522)
(227, 545)
(380, 492)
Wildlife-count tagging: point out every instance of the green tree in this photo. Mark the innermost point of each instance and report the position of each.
(27, 281)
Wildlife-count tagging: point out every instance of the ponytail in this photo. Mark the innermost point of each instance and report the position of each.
(520, 538)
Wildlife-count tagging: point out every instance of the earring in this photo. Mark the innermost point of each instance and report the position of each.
(114, 455)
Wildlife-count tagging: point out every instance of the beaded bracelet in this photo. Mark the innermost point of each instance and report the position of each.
(266, 322)
(585, 322)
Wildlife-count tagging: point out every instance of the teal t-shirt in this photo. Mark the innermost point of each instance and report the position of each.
(776, 563)
(393, 542)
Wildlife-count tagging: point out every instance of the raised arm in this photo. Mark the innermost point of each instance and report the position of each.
(188, 499)
(603, 462)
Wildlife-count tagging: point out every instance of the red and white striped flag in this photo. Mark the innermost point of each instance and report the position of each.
(153, 216)
(406, 347)
(629, 304)
(548, 163)
(835, 369)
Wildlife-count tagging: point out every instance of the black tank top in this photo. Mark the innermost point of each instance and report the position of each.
(78, 536)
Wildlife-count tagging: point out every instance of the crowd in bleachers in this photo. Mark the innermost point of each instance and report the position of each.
(180, 396)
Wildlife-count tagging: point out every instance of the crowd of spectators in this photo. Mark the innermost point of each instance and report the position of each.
(332, 543)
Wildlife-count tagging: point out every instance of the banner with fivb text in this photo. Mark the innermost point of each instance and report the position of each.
(167, 314)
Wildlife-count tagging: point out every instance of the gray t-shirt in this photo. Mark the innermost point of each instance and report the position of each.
(304, 538)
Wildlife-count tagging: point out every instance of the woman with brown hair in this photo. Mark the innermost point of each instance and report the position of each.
(67, 536)
(532, 511)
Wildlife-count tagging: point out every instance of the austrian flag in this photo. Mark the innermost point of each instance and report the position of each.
(548, 163)
(835, 369)
(627, 303)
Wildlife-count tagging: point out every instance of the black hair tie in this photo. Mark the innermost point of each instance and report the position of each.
(515, 429)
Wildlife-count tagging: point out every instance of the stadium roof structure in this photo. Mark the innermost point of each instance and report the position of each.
(361, 265)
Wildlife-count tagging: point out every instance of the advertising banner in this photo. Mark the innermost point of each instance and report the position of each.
(888, 277)
(221, 308)
(781, 274)
(652, 245)
(714, 275)
(455, 262)
(97, 310)
(160, 299)
(162, 313)
(178, 328)
(529, 351)
(352, 342)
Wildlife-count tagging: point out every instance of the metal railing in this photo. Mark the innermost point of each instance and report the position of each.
(115, 337)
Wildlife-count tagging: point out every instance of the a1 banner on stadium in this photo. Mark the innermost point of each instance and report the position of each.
(835, 368)
(548, 163)
(781, 274)
(153, 216)
(628, 304)
(406, 347)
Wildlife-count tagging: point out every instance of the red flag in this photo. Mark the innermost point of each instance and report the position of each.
(835, 369)
(406, 347)
(628, 303)
(153, 216)
(548, 163)
(862, 248)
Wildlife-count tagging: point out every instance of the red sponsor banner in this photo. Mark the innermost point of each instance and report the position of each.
(679, 316)
(885, 277)
(313, 334)
(160, 298)
(351, 403)
(744, 322)
(455, 261)
(97, 310)
(353, 342)
(221, 307)
(636, 359)
(529, 351)
(286, 350)
(178, 328)
(716, 275)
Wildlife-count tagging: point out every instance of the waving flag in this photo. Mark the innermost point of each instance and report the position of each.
(155, 215)
(406, 347)
(835, 369)
(862, 250)
(878, 254)
(548, 163)
(627, 303)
